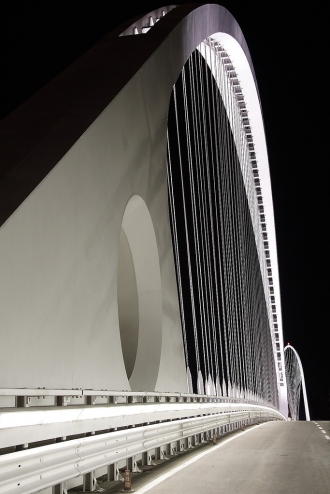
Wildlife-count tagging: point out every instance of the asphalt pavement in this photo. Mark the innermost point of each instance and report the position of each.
(272, 458)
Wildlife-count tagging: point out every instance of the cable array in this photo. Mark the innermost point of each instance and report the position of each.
(219, 252)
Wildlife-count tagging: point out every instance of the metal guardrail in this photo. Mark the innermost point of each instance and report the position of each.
(22, 426)
(182, 415)
(25, 472)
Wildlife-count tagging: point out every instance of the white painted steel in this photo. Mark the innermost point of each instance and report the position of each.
(28, 471)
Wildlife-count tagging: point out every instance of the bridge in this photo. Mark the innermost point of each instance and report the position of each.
(140, 294)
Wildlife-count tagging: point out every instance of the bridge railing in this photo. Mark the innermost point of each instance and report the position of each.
(49, 436)
(29, 471)
(26, 397)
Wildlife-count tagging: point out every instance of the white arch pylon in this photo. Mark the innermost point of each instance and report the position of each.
(294, 382)
(63, 202)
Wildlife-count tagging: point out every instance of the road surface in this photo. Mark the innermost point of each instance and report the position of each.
(273, 458)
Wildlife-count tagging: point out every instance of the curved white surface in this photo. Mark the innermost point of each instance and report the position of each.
(146, 320)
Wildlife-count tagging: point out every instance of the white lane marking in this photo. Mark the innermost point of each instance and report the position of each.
(323, 431)
(327, 437)
(187, 463)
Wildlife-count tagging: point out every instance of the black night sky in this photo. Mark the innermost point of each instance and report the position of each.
(287, 42)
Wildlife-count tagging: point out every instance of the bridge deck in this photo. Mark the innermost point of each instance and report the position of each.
(285, 457)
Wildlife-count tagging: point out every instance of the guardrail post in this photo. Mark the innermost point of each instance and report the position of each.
(62, 401)
(22, 401)
(170, 450)
(89, 481)
(90, 400)
(59, 489)
(159, 454)
(146, 458)
(179, 445)
(132, 465)
(113, 472)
